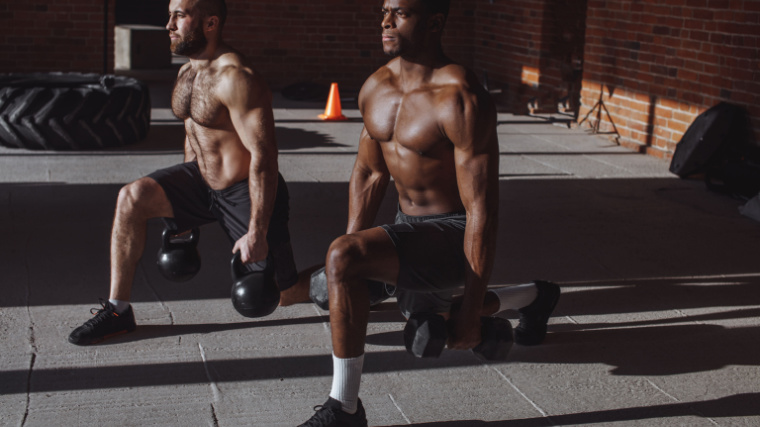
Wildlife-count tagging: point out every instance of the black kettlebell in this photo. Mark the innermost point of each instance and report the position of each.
(254, 293)
(180, 260)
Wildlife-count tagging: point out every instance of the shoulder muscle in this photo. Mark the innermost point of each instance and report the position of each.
(241, 86)
(468, 114)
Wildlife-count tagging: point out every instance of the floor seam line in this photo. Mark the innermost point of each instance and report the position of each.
(675, 399)
(214, 389)
(144, 277)
(28, 389)
(399, 409)
(524, 396)
(32, 342)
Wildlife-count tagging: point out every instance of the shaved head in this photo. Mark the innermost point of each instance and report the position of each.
(437, 6)
(216, 8)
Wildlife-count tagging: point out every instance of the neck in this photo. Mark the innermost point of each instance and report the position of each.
(419, 66)
(213, 49)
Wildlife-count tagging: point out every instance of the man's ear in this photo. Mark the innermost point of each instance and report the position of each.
(435, 23)
(212, 23)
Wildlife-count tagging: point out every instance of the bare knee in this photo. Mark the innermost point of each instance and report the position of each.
(143, 198)
(344, 259)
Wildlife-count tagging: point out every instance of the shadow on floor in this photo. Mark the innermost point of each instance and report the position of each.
(667, 350)
(738, 405)
(617, 246)
(620, 246)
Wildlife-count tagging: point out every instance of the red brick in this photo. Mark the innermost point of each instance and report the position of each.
(688, 49)
(718, 4)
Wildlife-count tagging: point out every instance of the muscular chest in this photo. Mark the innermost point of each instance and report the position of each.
(409, 120)
(194, 98)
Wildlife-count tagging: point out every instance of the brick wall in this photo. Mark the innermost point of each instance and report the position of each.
(333, 40)
(290, 40)
(299, 40)
(524, 47)
(531, 49)
(54, 36)
(507, 44)
(657, 65)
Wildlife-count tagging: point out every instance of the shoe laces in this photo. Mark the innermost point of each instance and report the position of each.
(103, 313)
(324, 415)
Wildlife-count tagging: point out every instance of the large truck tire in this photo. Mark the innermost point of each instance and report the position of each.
(72, 111)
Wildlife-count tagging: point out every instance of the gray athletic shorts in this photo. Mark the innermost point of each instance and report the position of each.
(195, 204)
(431, 257)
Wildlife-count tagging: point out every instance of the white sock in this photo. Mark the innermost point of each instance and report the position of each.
(347, 374)
(119, 305)
(515, 297)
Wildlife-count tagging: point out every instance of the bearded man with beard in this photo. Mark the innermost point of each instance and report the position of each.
(229, 175)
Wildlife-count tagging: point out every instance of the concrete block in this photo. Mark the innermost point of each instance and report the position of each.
(140, 47)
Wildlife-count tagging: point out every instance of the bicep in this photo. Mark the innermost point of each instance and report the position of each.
(472, 131)
(255, 127)
(370, 154)
(249, 104)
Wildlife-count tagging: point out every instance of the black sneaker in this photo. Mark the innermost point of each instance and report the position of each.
(533, 318)
(331, 415)
(105, 324)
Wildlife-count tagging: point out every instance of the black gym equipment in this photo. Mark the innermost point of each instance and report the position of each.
(179, 259)
(254, 293)
(319, 295)
(496, 338)
(425, 335)
(72, 111)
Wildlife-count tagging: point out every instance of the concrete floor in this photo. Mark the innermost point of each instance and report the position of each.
(658, 322)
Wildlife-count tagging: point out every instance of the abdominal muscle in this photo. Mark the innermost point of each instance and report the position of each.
(426, 185)
(222, 158)
(427, 202)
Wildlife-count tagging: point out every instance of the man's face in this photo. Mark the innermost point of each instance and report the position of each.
(404, 25)
(185, 28)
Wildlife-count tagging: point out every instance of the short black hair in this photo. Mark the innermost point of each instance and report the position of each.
(437, 6)
(213, 8)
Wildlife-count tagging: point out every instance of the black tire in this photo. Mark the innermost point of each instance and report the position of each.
(72, 111)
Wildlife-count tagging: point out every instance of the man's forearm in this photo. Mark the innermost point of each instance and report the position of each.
(262, 184)
(479, 247)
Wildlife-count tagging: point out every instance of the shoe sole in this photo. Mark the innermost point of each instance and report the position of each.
(103, 338)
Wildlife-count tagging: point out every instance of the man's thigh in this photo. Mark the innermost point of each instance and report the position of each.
(432, 264)
(187, 194)
(370, 254)
(431, 256)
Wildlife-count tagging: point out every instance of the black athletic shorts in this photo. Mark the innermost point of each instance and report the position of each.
(195, 204)
(431, 257)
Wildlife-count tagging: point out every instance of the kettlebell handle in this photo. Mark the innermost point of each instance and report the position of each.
(237, 266)
(238, 271)
(169, 233)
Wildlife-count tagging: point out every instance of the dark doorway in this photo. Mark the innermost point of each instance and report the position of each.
(145, 12)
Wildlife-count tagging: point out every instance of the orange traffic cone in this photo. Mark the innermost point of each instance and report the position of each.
(332, 109)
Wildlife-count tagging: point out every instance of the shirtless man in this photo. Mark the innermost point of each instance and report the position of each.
(430, 125)
(230, 173)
